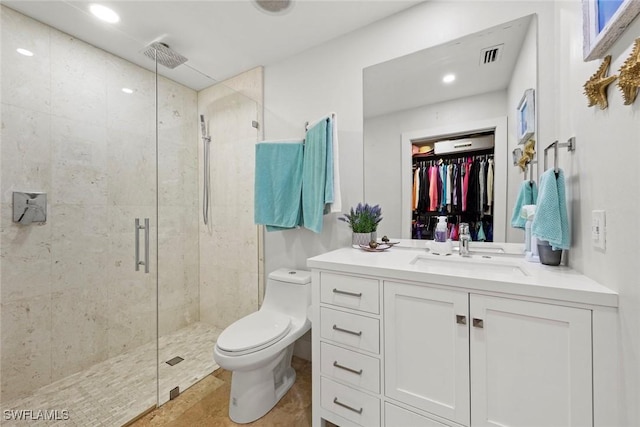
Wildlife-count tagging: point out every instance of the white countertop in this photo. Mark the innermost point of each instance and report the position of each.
(534, 279)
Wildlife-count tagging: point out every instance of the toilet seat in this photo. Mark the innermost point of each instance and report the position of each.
(253, 332)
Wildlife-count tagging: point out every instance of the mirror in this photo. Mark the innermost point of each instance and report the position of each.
(406, 100)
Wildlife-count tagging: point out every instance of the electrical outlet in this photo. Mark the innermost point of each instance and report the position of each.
(598, 229)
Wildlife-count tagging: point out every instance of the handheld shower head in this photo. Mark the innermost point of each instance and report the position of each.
(203, 126)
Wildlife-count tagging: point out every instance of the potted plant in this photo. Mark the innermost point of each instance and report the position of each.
(364, 222)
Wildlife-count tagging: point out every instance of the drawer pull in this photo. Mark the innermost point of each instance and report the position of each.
(337, 365)
(461, 320)
(351, 294)
(336, 328)
(478, 323)
(337, 402)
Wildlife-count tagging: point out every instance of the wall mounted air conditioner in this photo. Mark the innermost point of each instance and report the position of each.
(484, 142)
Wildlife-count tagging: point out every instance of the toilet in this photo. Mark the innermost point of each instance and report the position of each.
(257, 349)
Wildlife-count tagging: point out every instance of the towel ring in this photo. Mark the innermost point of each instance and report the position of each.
(570, 144)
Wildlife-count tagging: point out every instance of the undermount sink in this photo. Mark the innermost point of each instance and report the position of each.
(475, 264)
(490, 251)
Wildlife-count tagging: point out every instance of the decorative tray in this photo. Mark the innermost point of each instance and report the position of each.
(379, 248)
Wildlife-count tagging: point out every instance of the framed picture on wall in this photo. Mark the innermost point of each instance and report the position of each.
(526, 115)
(603, 21)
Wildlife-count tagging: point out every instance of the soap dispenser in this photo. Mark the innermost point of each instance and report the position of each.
(441, 229)
(441, 245)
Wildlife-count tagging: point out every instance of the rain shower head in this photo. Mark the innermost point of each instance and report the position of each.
(164, 54)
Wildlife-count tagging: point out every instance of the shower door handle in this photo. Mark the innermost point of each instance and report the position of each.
(144, 227)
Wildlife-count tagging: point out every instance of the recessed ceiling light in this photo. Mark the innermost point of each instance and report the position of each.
(24, 52)
(104, 13)
(449, 78)
(127, 90)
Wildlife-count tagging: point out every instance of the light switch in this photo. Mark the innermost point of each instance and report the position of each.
(598, 229)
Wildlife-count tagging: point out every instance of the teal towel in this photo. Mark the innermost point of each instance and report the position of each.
(551, 222)
(316, 187)
(527, 196)
(278, 184)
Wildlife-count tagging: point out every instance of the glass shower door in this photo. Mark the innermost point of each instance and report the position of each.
(78, 322)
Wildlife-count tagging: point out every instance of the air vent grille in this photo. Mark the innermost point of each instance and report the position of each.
(491, 54)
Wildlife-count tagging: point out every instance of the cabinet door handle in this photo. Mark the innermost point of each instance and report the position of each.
(461, 320)
(478, 323)
(337, 365)
(351, 294)
(337, 402)
(336, 328)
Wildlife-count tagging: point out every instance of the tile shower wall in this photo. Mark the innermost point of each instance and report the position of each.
(69, 295)
(230, 247)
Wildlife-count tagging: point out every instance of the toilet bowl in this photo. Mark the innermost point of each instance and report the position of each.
(257, 349)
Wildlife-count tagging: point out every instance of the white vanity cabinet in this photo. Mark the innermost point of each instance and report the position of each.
(396, 346)
(426, 357)
(528, 363)
(347, 331)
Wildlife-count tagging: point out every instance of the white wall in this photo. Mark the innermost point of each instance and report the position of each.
(383, 137)
(602, 173)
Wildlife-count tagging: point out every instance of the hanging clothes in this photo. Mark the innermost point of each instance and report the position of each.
(433, 188)
(462, 188)
(416, 189)
(489, 186)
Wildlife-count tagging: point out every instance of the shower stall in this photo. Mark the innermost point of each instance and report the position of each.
(112, 304)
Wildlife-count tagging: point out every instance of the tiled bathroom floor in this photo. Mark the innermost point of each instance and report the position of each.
(206, 404)
(117, 390)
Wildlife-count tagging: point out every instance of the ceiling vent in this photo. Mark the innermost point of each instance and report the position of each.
(491, 54)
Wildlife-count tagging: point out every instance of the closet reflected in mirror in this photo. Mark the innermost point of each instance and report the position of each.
(418, 117)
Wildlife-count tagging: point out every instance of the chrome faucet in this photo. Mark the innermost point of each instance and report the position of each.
(464, 238)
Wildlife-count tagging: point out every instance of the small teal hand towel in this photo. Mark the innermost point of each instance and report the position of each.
(317, 189)
(527, 195)
(278, 184)
(551, 222)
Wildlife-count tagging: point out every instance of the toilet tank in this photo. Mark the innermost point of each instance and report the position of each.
(288, 291)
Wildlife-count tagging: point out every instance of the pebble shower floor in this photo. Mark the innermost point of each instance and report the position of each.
(116, 391)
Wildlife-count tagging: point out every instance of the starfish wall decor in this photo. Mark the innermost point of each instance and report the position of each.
(629, 81)
(596, 87)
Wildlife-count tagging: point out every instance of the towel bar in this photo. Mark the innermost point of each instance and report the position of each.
(530, 168)
(570, 144)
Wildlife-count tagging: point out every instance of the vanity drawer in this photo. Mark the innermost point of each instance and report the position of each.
(396, 416)
(357, 293)
(351, 404)
(350, 329)
(350, 367)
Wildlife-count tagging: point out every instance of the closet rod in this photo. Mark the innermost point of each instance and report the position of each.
(570, 144)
